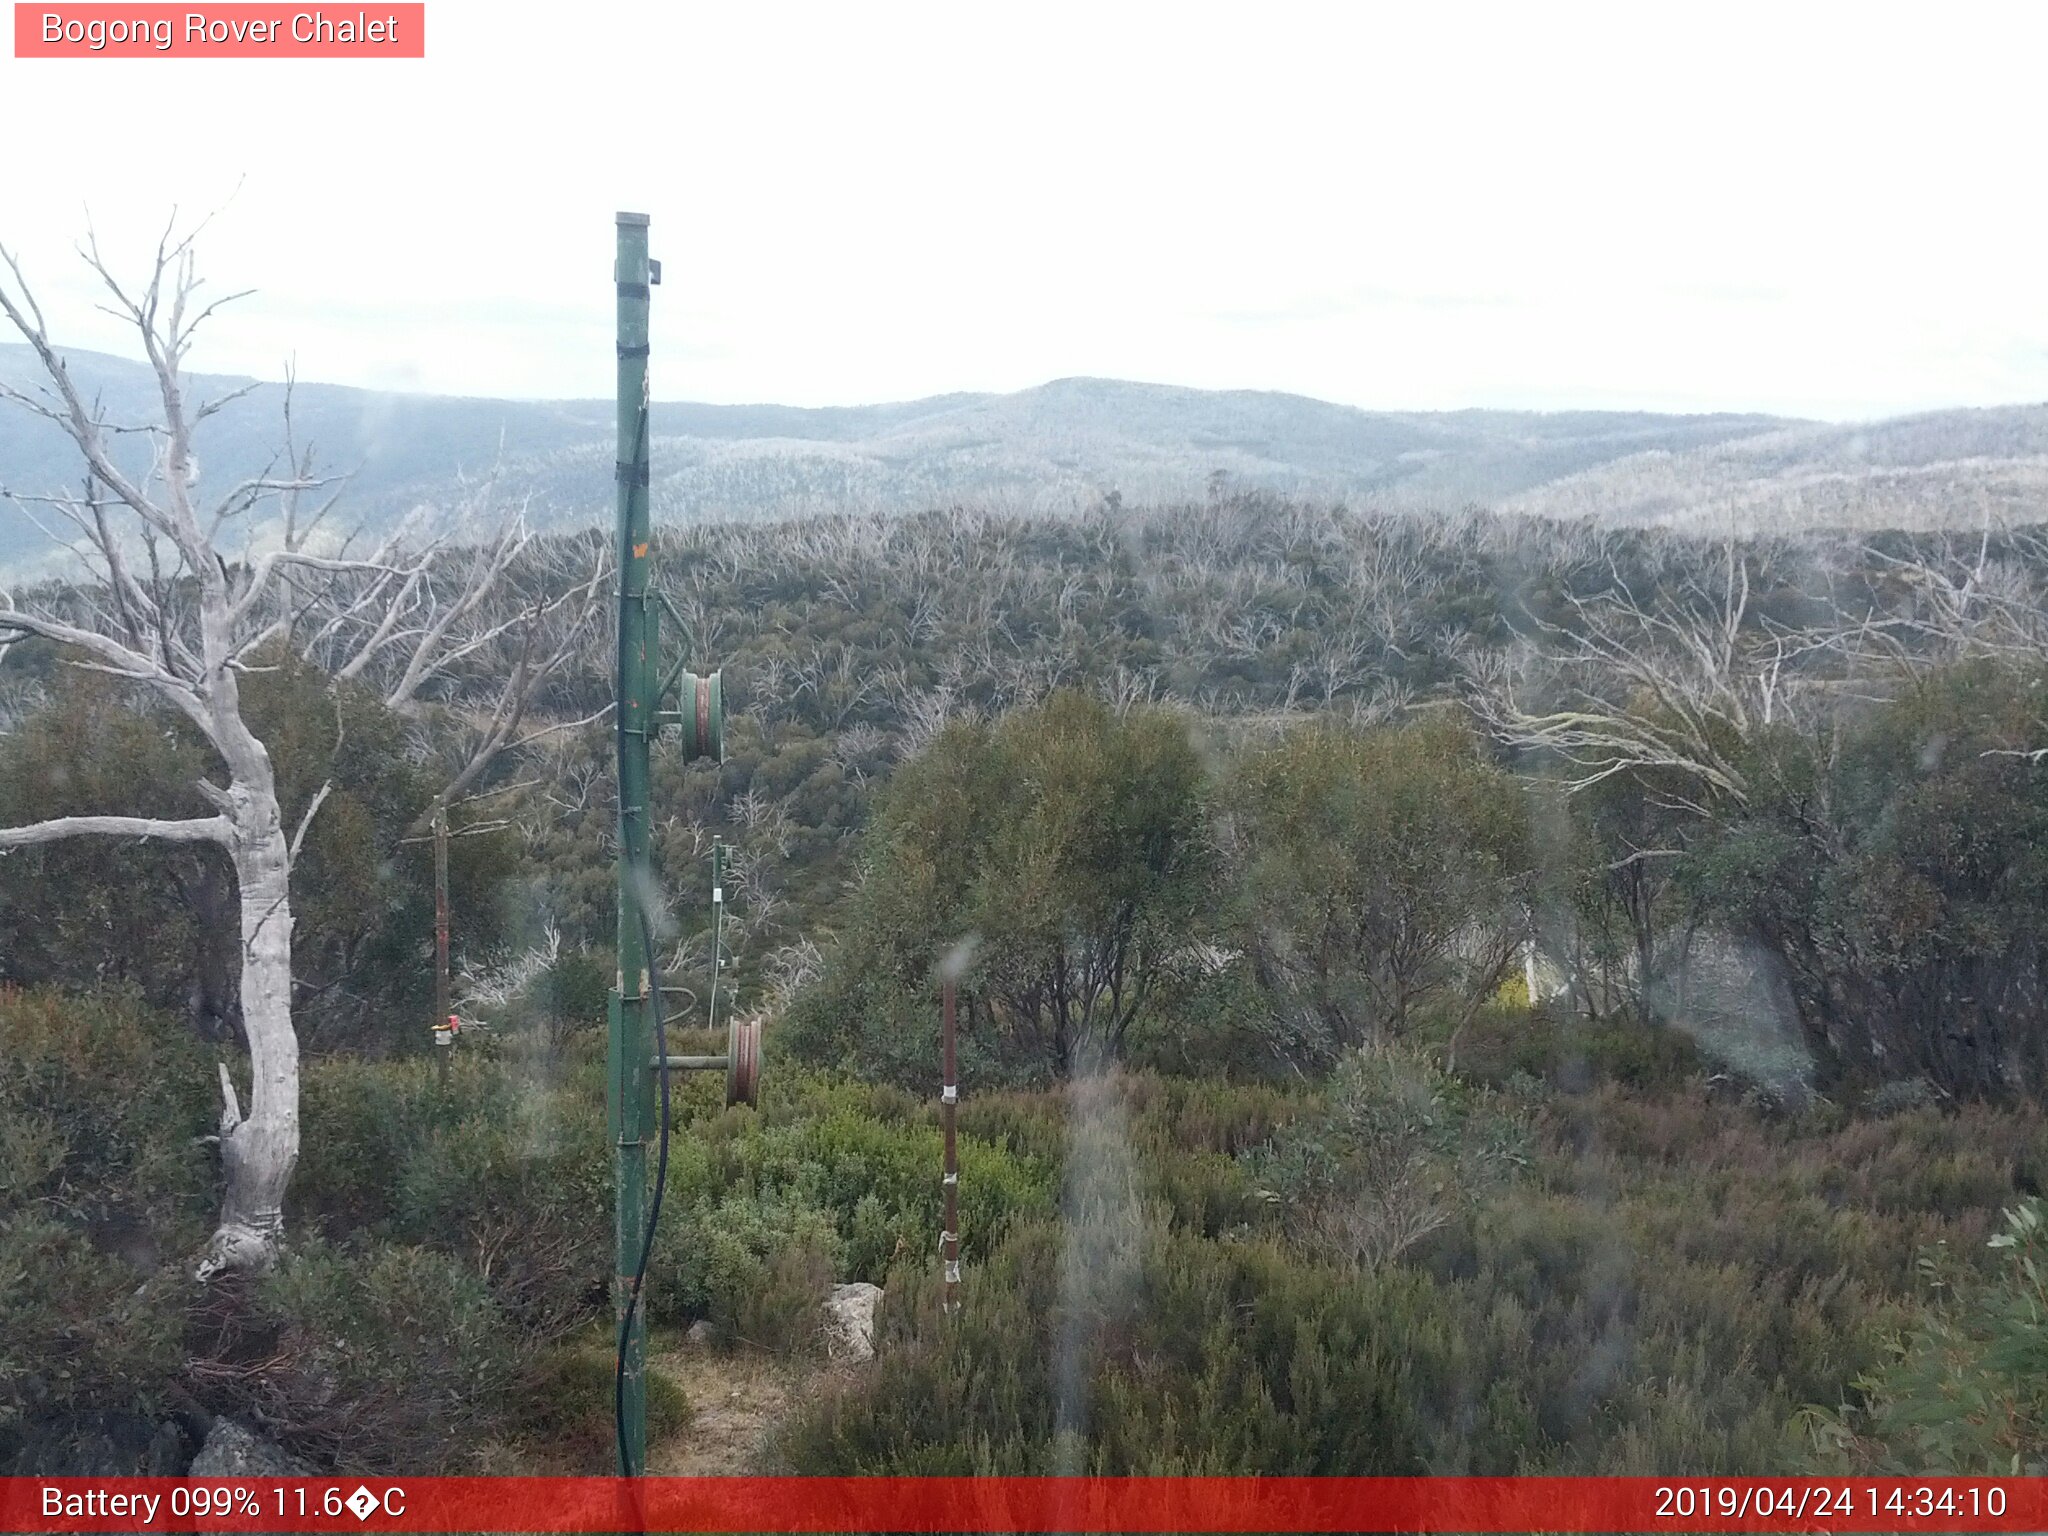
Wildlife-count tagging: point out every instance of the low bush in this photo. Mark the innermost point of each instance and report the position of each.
(833, 1180)
(77, 1334)
(1204, 1357)
(1964, 1390)
(378, 1358)
(105, 1193)
(104, 1110)
(1573, 1054)
(1394, 1150)
(507, 1172)
(1442, 1274)
(570, 1409)
(734, 1260)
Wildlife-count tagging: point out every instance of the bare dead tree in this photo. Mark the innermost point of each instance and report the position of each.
(1671, 691)
(1673, 685)
(924, 714)
(164, 608)
(1964, 600)
(445, 624)
(489, 622)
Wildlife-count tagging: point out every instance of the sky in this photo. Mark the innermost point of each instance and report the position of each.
(1811, 210)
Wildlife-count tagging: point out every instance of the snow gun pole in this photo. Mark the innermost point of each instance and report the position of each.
(949, 1100)
(633, 998)
(639, 1059)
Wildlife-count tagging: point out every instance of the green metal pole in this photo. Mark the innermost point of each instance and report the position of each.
(632, 999)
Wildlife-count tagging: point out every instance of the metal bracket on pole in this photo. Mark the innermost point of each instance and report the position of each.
(741, 1062)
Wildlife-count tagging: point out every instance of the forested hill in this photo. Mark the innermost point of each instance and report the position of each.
(1939, 469)
(1069, 444)
(1061, 446)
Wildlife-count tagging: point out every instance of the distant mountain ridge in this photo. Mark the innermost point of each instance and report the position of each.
(1933, 469)
(1060, 446)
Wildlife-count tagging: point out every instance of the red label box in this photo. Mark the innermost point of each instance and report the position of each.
(375, 30)
(1024, 1506)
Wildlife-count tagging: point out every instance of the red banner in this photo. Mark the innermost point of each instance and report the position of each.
(223, 31)
(1024, 1504)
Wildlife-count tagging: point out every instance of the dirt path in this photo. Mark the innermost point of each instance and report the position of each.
(739, 1396)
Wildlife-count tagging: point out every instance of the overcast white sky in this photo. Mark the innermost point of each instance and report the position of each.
(1820, 211)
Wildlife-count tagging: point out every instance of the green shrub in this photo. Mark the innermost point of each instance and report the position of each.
(389, 1358)
(104, 1105)
(1965, 1390)
(1900, 1096)
(106, 1189)
(1891, 865)
(570, 1408)
(506, 1173)
(735, 1260)
(1383, 873)
(1225, 1117)
(1397, 1148)
(783, 1309)
(1573, 1053)
(836, 1179)
(1068, 839)
(77, 1333)
(1030, 1125)
(1211, 1358)
(575, 988)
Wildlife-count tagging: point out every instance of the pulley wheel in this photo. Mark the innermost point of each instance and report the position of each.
(701, 714)
(743, 1061)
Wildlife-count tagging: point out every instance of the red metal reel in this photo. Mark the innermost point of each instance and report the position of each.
(743, 1061)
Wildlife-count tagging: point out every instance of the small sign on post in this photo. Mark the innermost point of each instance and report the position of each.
(444, 1039)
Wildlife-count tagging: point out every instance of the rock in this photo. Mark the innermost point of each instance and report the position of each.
(701, 1333)
(232, 1451)
(850, 1321)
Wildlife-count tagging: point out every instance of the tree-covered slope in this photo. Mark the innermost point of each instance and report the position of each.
(1062, 446)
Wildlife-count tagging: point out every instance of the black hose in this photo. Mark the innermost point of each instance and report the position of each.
(654, 1212)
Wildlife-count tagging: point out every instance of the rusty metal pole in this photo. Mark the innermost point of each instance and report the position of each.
(443, 1040)
(949, 1099)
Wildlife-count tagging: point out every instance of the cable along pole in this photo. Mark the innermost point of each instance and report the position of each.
(638, 1061)
(633, 999)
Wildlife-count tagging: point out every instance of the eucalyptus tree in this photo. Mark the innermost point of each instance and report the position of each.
(1068, 844)
(1383, 872)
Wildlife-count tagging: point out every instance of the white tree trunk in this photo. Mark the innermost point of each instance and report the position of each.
(259, 1150)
